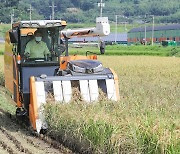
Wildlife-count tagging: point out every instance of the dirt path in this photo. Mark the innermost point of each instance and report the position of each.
(16, 140)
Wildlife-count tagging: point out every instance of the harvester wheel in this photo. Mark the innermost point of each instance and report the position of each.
(21, 116)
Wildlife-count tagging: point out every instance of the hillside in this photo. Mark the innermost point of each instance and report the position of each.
(165, 11)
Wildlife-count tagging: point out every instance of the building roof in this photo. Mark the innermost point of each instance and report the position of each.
(156, 28)
(121, 37)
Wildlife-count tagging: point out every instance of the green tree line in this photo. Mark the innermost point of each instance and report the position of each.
(165, 11)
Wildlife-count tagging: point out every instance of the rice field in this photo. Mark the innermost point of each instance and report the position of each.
(111, 50)
(145, 120)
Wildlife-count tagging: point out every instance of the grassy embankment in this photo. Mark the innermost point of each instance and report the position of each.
(1, 70)
(4, 103)
(1, 64)
(145, 120)
(1, 48)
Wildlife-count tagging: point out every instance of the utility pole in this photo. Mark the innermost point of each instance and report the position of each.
(145, 43)
(53, 7)
(152, 30)
(101, 5)
(12, 17)
(116, 25)
(116, 29)
(30, 12)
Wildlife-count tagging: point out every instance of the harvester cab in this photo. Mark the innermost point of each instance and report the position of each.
(33, 80)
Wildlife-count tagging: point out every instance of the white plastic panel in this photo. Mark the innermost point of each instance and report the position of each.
(57, 88)
(41, 99)
(67, 91)
(93, 89)
(40, 92)
(111, 90)
(84, 88)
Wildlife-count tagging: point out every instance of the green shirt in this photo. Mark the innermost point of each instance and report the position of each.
(37, 50)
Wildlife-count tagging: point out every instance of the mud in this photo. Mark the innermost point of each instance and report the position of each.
(17, 139)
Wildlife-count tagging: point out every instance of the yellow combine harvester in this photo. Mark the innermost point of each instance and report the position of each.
(30, 80)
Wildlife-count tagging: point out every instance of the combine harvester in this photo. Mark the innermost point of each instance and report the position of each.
(30, 80)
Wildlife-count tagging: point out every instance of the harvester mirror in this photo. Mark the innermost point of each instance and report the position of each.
(102, 47)
(13, 36)
(61, 48)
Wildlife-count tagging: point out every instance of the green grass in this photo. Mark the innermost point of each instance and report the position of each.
(2, 48)
(145, 120)
(124, 50)
(131, 50)
(4, 102)
(3, 29)
(1, 71)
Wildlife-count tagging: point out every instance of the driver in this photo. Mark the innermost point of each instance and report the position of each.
(36, 48)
